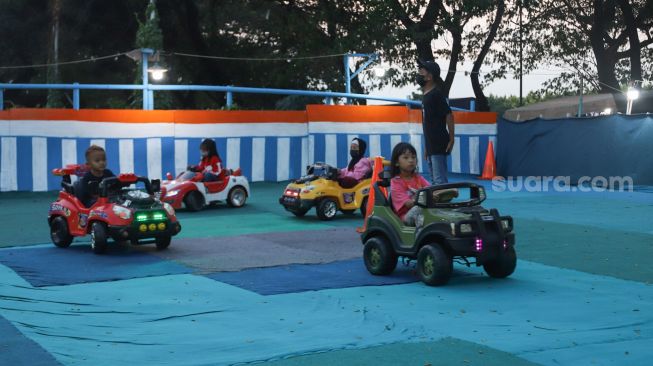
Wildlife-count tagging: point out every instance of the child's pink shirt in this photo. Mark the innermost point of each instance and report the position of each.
(400, 189)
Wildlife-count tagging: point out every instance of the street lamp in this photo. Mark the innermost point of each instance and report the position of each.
(631, 96)
(157, 72)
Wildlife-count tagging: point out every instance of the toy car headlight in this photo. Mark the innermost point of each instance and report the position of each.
(169, 209)
(506, 224)
(122, 212)
(172, 193)
(466, 228)
(421, 199)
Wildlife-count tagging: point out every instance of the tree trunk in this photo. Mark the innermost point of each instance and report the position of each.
(481, 101)
(605, 62)
(635, 47)
(456, 49)
(54, 96)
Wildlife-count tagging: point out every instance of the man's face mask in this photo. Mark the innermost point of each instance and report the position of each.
(421, 80)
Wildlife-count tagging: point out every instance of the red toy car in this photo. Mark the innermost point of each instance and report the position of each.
(120, 213)
(189, 190)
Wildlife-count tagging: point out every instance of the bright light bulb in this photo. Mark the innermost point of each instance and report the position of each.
(632, 94)
(157, 74)
(379, 72)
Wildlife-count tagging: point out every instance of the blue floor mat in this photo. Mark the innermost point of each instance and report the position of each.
(302, 277)
(16, 349)
(51, 266)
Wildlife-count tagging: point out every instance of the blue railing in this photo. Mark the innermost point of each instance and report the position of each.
(148, 92)
(148, 88)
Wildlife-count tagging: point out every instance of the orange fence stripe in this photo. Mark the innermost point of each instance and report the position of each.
(316, 113)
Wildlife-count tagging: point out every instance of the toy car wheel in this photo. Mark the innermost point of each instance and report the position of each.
(59, 232)
(434, 265)
(99, 238)
(380, 259)
(194, 201)
(327, 209)
(503, 266)
(364, 207)
(237, 197)
(163, 242)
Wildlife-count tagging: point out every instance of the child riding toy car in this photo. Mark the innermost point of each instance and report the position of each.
(452, 226)
(120, 213)
(319, 188)
(189, 191)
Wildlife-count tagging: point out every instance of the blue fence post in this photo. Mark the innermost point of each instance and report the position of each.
(230, 99)
(347, 77)
(2, 99)
(472, 105)
(76, 97)
(145, 54)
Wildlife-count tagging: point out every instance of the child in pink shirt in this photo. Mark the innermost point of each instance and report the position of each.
(405, 182)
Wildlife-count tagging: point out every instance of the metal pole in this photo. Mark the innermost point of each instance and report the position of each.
(580, 99)
(347, 78)
(2, 99)
(76, 97)
(144, 56)
(472, 105)
(521, 49)
(230, 99)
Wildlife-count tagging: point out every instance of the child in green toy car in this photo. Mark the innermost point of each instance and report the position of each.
(405, 182)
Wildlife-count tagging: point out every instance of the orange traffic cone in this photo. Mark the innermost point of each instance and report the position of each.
(378, 168)
(490, 167)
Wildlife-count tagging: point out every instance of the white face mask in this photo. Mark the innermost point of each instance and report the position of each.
(204, 153)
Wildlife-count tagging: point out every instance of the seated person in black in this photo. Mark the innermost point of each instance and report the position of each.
(96, 161)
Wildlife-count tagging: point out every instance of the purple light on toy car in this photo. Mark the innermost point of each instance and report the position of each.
(479, 244)
(505, 244)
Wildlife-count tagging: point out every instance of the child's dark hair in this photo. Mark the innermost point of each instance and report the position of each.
(93, 148)
(399, 150)
(209, 146)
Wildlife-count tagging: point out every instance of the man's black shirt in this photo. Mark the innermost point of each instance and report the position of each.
(434, 112)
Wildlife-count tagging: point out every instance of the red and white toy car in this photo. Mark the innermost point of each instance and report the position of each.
(188, 190)
(121, 213)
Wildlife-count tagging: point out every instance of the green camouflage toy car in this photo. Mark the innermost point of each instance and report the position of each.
(452, 226)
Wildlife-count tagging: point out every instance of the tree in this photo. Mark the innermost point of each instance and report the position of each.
(54, 96)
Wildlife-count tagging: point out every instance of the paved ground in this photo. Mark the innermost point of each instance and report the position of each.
(581, 294)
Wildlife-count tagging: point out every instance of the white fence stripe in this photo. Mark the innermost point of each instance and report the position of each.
(474, 166)
(305, 157)
(154, 158)
(233, 153)
(455, 156)
(181, 156)
(69, 154)
(8, 164)
(258, 159)
(394, 140)
(331, 150)
(283, 158)
(375, 146)
(126, 148)
(99, 142)
(311, 150)
(39, 164)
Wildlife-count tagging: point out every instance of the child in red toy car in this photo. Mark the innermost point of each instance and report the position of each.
(211, 164)
(96, 161)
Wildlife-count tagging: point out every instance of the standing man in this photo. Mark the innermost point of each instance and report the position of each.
(437, 120)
